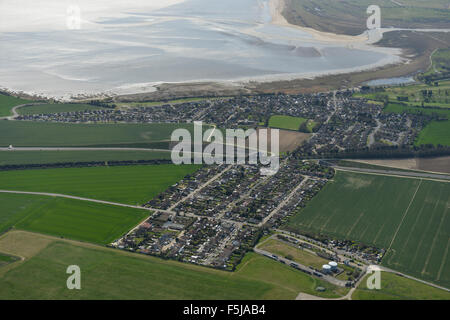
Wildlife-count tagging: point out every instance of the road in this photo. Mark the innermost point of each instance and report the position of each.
(288, 262)
(78, 149)
(424, 175)
(14, 110)
(284, 202)
(192, 194)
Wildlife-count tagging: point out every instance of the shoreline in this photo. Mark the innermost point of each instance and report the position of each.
(395, 57)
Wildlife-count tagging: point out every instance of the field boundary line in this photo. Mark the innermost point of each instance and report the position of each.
(434, 242)
(443, 261)
(404, 216)
(57, 195)
(357, 170)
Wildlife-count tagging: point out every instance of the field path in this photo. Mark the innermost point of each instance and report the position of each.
(57, 195)
(404, 216)
(14, 110)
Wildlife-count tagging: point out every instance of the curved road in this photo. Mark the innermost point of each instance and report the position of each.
(14, 110)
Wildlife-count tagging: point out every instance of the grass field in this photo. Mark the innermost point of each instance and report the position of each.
(409, 216)
(286, 122)
(304, 257)
(56, 108)
(8, 102)
(395, 287)
(7, 259)
(46, 134)
(290, 123)
(68, 218)
(439, 98)
(436, 132)
(117, 274)
(124, 184)
(441, 62)
(399, 108)
(45, 157)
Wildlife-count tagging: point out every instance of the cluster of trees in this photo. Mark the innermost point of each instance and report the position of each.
(103, 104)
(83, 164)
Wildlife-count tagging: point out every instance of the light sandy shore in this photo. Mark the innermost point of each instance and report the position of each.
(277, 7)
(393, 56)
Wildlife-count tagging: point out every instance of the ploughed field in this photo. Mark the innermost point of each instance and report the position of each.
(409, 217)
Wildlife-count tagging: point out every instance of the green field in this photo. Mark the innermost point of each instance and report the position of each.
(68, 218)
(441, 62)
(436, 132)
(56, 108)
(124, 184)
(287, 122)
(304, 257)
(7, 259)
(395, 287)
(8, 102)
(63, 156)
(46, 134)
(439, 98)
(117, 274)
(409, 216)
(393, 107)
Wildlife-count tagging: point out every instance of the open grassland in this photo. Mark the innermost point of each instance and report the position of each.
(123, 184)
(286, 122)
(56, 108)
(440, 96)
(68, 218)
(63, 156)
(45, 134)
(349, 17)
(437, 132)
(441, 63)
(395, 287)
(8, 102)
(301, 256)
(407, 216)
(7, 259)
(400, 108)
(292, 123)
(116, 274)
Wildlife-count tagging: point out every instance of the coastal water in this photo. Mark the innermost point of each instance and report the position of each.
(130, 49)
